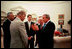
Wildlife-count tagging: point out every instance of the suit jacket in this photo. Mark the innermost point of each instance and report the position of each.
(46, 35)
(19, 38)
(7, 36)
(30, 32)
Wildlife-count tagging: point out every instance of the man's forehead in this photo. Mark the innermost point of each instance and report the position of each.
(30, 16)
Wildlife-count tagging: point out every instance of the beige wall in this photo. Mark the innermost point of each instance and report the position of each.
(44, 7)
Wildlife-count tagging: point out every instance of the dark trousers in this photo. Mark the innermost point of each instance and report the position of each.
(7, 43)
(31, 43)
(46, 45)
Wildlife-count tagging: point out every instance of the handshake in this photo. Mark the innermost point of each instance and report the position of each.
(35, 27)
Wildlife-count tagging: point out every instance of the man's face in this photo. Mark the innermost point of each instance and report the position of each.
(29, 18)
(11, 17)
(23, 17)
(44, 19)
(40, 21)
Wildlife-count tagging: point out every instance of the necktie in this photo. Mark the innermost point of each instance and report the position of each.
(44, 26)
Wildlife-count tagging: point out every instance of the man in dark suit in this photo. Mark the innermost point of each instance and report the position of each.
(47, 32)
(6, 29)
(30, 31)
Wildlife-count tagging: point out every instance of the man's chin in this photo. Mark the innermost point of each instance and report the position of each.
(23, 19)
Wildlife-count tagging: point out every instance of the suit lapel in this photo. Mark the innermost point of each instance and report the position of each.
(8, 21)
(30, 25)
(46, 25)
(27, 25)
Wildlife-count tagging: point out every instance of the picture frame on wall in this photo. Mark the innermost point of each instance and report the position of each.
(61, 22)
(61, 16)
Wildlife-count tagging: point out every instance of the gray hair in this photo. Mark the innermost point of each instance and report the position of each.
(21, 12)
(47, 16)
(9, 13)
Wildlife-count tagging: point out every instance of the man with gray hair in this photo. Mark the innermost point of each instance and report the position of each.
(6, 29)
(47, 32)
(19, 38)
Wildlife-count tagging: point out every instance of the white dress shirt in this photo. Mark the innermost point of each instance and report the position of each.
(29, 23)
(46, 23)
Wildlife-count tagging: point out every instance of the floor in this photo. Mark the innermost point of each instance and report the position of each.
(60, 42)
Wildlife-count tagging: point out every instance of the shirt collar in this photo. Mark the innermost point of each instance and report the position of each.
(47, 22)
(43, 24)
(29, 21)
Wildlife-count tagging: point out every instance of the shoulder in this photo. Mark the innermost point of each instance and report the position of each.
(51, 22)
(25, 22)
(6, 22)
(32, 23)
(16, 23)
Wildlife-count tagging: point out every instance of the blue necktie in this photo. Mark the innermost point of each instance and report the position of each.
(44, 26)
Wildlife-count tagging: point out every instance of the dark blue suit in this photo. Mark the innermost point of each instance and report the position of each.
(30, 32)
(46, 36)
(7, 36)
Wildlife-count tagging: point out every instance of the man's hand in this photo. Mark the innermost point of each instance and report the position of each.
(35, 27)
(29, 38)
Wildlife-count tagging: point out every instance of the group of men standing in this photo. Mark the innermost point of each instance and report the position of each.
(19, 34)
